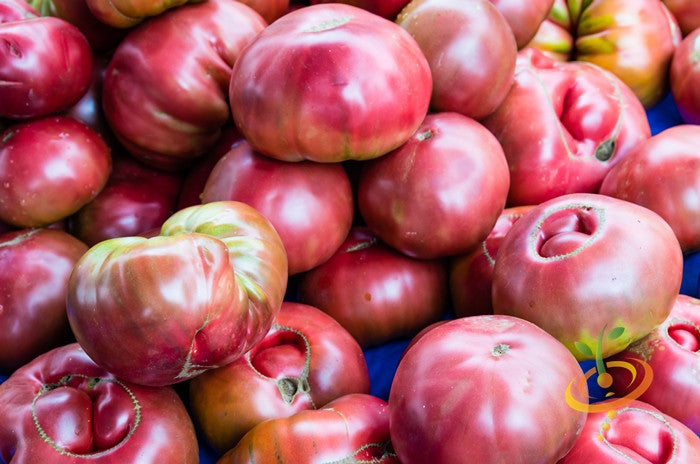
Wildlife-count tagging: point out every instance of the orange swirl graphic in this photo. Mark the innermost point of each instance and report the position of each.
(575, 396)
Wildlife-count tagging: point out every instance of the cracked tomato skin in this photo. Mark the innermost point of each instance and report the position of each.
(47, 61)
(330, 82)
(64, 409)
(306, 360)
(352, 428)
(486, 389)
(637, 432)
(161, 310)
(564, 148)
(168, 108)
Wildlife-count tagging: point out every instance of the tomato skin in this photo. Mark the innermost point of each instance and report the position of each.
(33, 293)
(637, 432)
(388, 9)
(563, 149)
(306, 360)
(441, 192)
(129, 13)
(48, 61)
(348, 83)
(352, 428)
(101, 36)
(633, 40)
(377, 293)
(136, 199)
(460, 387)
(524, 17)
(672, 350)
(470, 274)
(662, 173)
(220, 267)
(686, 12)
(575, 265)
(166, 108)
(33, 192)
(310, 204)
(270, 10)
(87, 414)
(474, 48)
(684, 77)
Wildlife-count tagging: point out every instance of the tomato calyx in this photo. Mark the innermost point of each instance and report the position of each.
(499, 350)
(605, 150)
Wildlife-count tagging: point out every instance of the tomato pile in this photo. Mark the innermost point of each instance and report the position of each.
(364, 231)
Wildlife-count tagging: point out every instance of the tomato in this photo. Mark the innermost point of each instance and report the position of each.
(306, 360)
(594, 271)
(129, 13)
(161, 310)
(470, 274)
(637, 432)
(662, 174)
(686, 12)
(47, 60)
(50, 167)
(101, 36)
(684, 76)
(309, 204)
(63, 408)
(440, 193)
(388, 9)
(486, 389)
(328, 83)
(270, 10)
(672, 352)
(136, 199)
(352, 428)
(553, 37)
(36, 265)
(581, 121)
(633, 40)
(472, 58)
(167, 108)
(377, 293)
(524, 16)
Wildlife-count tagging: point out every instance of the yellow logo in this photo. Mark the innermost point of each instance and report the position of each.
(577, 392)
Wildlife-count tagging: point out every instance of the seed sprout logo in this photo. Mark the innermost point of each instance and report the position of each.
(577, 392)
